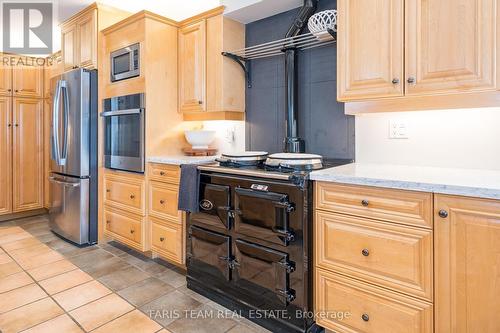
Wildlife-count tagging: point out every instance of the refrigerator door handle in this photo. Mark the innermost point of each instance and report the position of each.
(55, 125)
(62, 182)
(64, 153)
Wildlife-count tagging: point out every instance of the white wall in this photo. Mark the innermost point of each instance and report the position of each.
(466, 138)
(223, 128)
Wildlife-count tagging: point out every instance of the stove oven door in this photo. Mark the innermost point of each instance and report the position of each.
(263, 215)
(209, 251)
(264, 272)
(214, 206)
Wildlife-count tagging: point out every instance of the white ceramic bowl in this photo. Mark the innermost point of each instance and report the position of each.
(200, 139)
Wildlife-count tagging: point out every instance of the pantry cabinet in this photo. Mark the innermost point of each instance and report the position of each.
(467, 274)
(5, 80)
(211, 86)
(5, 155)
(27, 81)
(401, 48)
(27, 154)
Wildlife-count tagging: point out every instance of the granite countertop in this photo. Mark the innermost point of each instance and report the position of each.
(467, 182)
(180, 159)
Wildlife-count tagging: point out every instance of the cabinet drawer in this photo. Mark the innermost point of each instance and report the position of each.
(167, 239)
(163, 199)
(124, 226)
(366, 308)
(124, 192)
(406, 207)
(164, 173)
(393, 256)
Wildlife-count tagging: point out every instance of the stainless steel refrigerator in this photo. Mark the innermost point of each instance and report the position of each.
(73, 177)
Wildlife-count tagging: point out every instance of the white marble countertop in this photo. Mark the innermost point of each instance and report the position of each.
(180, 159)
(466, 182)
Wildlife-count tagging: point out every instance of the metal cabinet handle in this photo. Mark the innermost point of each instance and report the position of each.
(395, 81)
(162, 202)
(200, 102)
(443, 214)
(132, 231)
(365, 252)
(108, 190)
(9, 125)
(365, 317)
(365, 202)
(9, 90)
(162, 239)
(132, 196)
(108, 222)
(411, 80)
(17, 90)
(162, 173)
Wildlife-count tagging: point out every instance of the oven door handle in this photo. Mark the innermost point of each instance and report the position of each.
(121, 112)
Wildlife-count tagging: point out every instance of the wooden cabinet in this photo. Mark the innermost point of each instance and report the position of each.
(389, 49)
(5, 80)
(5, 155)
(27, 166)
(450, 46)
(69, 46)
(167, 240)
(192, 67)
(124, 191)
(163, 201)
(27, 81)
(164, 173)
(467, 280)
(346, 305)
(211, 86)
(370, 49)
(373, 257)
(124, 227)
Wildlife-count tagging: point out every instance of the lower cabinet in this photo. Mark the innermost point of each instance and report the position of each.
(467, 264)
(125, 227)
(167, 239)
(348, 305)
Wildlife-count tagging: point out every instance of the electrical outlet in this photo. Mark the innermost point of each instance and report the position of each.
(229, 135)
(398, 129)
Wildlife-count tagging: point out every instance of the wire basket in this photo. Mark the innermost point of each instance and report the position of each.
(320, 22)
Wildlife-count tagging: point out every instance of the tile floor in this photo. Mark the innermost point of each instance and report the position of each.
(49, 285)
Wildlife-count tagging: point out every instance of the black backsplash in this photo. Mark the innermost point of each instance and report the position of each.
(322, 123)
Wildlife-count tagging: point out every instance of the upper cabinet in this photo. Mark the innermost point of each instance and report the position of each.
(5, 80)
(211, 86)
(79, 35)
(399, 50)
(192, 67)
(370, 49)
(24, 79)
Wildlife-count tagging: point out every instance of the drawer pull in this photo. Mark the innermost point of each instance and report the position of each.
(365, 202)
(162, 202)
(162, 173)
(162, 239)
(365, 317)
(132, 196)
(365, 252)
(108, 190)
(132, 231)
(443, 214)
(108, 222)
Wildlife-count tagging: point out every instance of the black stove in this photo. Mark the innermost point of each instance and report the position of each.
(249, 247)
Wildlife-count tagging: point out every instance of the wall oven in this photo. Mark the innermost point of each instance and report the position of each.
(125, 63)
(124, 121)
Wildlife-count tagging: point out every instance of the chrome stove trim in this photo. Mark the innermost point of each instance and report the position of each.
(245, 172)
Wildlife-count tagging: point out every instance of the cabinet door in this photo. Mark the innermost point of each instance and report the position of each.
(69, 41)
(450, 46)
(27, 81)
(370, 49)
(192, 67)
(167, 239)
(467, 264)
(5, 155)
(87, 43)
(5, 80)
(27, 166)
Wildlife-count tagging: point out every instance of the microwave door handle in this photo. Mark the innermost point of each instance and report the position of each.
(64, 153)
(55, 124)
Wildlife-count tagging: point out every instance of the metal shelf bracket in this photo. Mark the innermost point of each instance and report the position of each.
(244, 63)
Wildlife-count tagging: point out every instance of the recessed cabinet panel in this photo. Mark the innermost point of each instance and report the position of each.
(450, 46)
(27, 81)
(370, 49)
(69, 41)
(5, 80)
(87, 48)
(27, 167)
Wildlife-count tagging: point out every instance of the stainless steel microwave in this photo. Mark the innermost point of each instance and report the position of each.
(124, 121)
(125, 63)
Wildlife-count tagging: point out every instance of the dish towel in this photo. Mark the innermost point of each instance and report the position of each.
(189, 188)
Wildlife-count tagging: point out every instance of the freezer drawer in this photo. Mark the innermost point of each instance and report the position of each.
(69, 212)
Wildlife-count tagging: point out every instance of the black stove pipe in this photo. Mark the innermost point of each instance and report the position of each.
(294, 144)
